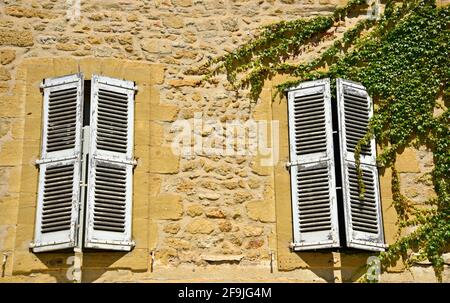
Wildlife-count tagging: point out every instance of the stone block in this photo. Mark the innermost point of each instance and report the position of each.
(259, 167)
(137, 259)
(154, 185)
(13, 180)
(33, 128)
(24, 236)
(261, 210)
(167, 113)
(112, 67)
(31, 153)
(7, 236)
(139, 72)
(26, 262)
(21, 38)
(172, 228)
(163, 161)
(157, 72)
(156, 134)
(29, 179)
(195, 210)
(313, 260)
(407, 161)
(141, 133)
(152, 235)
(9, 156)
(28, 199)
(89, 66)
(140, 232)
(37, 70)
(12, 105)
(27, 214)
(142, 111)
(4, 74)
(182, 3)
(65, 66)
(192, 82)
(9, 210)
(156, 46)
(166, 207)
(7, 56)
(200, 226)
(142, 153)
(173, 21)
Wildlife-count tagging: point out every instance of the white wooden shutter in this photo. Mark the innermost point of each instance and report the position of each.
(363, 218)
(313, 182)
(59, 166)
(109, 202)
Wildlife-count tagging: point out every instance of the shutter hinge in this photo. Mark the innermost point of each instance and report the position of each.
(288, 164)
(45, 161)
(116, 160)
(82, 184)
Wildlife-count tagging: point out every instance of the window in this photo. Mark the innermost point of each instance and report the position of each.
(85, 170)
(326, 207)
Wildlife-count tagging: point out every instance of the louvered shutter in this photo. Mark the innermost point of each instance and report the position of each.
(363, 219)
(109, 203)
(313, 182)
(59, 166)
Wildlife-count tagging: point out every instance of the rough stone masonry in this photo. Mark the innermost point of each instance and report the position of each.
(195, 219)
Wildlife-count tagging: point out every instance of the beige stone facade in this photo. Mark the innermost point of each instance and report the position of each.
(206, 218)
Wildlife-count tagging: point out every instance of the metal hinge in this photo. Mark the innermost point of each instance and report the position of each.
(121, 161)
(288, 164)
(45, 161)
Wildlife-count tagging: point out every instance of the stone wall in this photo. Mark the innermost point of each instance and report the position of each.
(202, 218)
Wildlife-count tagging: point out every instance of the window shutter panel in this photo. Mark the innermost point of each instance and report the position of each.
(313, 182)
(355, 110)
(59, 166)
(109, 204)
(363, 218)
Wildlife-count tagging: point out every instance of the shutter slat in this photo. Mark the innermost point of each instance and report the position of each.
(363, 220)
(314, 205)
(110, 178)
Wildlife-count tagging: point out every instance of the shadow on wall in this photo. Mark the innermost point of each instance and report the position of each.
(60, 266)
(320, 263)
(95, 264)
(349, 268)
(354, 265)
(57, 265)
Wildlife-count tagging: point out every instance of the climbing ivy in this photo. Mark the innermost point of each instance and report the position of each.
(403, 59)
